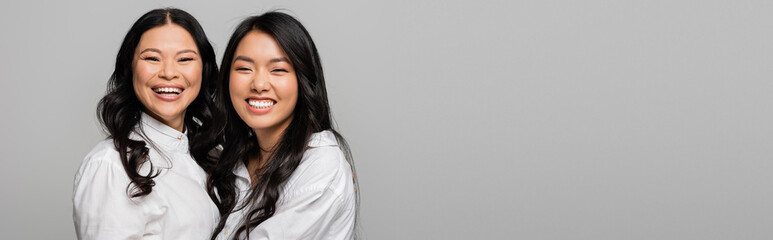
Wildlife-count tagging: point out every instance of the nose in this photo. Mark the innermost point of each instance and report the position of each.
(261, 83)
(168, 71)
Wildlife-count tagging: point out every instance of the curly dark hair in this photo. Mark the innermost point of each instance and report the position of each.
(119, 111)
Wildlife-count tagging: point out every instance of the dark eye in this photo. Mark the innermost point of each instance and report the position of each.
(155, 59)
(279, 70)
(186, 59)
(242, 69)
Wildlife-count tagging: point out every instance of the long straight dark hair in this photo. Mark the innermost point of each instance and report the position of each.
(119, 110)
(311, 115)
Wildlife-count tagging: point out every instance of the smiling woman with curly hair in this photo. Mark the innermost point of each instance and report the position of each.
(147, 180)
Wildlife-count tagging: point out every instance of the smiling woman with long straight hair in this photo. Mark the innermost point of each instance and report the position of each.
(147, 180)
(284, 173)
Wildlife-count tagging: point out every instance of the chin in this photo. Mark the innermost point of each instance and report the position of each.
(257, 126)
(260, 125)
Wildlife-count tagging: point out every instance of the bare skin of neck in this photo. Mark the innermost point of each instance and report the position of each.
(254, 162)
(267, 141)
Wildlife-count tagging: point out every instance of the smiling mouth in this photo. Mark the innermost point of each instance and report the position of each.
(168, 91)
(260, 104)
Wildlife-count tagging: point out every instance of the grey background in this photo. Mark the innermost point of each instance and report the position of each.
(468, 119)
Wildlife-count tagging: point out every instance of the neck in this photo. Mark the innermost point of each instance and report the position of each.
(267, 142)
(176, 122)
(269, 137)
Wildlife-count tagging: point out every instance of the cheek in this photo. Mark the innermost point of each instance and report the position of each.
(142, 73)
(233, 86)
(236, 87)
(239, 83)
(290, 89)
(193, 74)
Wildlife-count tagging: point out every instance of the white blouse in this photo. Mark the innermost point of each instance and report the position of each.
(317, 201)
(177, 208)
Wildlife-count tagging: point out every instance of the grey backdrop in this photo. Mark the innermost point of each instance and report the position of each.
(468, 119)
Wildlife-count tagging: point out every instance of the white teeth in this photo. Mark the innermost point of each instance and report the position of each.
(261, 103)
(168, 90)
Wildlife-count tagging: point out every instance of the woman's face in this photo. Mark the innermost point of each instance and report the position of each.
(263, 85)
(167, 73)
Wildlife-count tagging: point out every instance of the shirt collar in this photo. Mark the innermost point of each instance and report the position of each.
(320, 139)
(161, 134)
(323, 139)
(241, 173)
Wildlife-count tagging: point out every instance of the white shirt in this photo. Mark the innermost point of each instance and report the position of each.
(316, 202)
(177, 208)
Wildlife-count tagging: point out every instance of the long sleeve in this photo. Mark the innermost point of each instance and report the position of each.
(102, 207)
(319, 201)
(178, 206)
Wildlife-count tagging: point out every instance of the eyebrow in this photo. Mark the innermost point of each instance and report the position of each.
(243, 58)
(274, 60)
(151, 50)
(159, 51)
(187, 51)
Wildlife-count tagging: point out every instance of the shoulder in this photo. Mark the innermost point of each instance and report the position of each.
(103, 155)
(327, 160)
(324, 151)
(324, 166)
(104, 151)
(324, 156)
